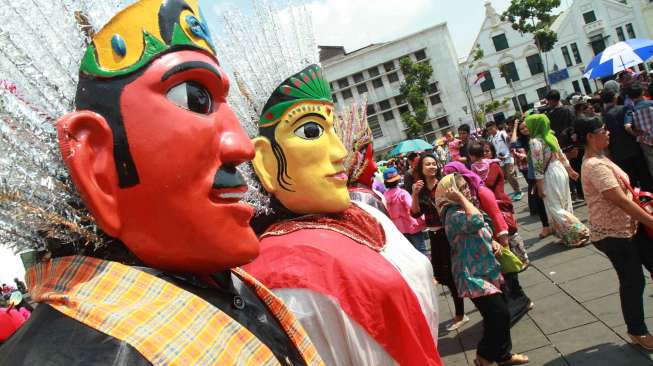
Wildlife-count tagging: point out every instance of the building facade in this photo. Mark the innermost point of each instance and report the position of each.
(646, 7)
(513, 68)
(374, 71)
(586, 29)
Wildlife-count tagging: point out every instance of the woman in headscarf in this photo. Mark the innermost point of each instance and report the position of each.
(552, 173)
(427, 175)
(487, 168)
(476, 271)
(505, 232)
(484, 198)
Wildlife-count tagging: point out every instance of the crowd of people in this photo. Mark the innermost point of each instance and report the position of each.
(156, 248)
(583, 148)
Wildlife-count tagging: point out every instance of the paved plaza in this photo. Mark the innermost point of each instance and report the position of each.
(577, 318)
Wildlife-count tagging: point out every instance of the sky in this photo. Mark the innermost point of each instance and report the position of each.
(357, 23)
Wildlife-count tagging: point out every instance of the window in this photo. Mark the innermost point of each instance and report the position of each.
(630, 30)
(620, 34)
(565, 54)
(435, 99)
(404, 109)
(576, 53)
(373, 72)
(389, 66)
(488, 84)
(535, 64)
(343, 83)
(509, 72)
(598, 44)
(370, 109)
(384, 104)
(589, 17)
(377, 83)
(576, 85)
(523, 101)
(428, 127)
(500, 42)
(420, 55)
(334, 98)
(373, 122)
(515, 103)
(587, 86)
(541, 92)
(399, 100)
(393, 78)
(433, 88)
(443, 122)
(388, 116)
(362, 88)
(499, 117)
(358, 77)
(346, 94)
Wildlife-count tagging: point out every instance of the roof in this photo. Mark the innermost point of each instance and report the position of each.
(375, 46)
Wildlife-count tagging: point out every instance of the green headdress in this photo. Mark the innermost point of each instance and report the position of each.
(539, 126)
(306, 85)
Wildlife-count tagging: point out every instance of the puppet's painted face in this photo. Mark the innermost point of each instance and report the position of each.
(315, 180)
(186, 143)
(183, 213)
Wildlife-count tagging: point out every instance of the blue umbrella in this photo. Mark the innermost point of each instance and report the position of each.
(619, 57)
(410, 146)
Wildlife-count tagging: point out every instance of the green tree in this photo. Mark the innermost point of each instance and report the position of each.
(413, 89)
(535, 17)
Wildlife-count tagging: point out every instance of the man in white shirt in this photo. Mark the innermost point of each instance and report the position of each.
(501, 143)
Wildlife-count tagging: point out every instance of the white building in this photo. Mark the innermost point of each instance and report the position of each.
(586, 29)
(511, 64)
(375, 71)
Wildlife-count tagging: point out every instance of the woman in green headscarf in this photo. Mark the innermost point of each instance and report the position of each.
(552, 173)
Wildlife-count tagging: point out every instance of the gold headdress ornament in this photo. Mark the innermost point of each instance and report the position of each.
(355, 133)
(144, 31)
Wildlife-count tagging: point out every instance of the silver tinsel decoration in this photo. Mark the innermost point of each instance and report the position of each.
(262, 48)
(41, 45)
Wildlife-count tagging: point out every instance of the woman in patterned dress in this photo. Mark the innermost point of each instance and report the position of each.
(476, 271)
(552, 173)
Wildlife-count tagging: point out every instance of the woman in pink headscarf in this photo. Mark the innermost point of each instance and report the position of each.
(518, 303)
(486, 200)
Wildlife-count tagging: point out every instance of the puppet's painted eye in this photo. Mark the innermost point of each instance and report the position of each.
(310, 130)
(191, 96)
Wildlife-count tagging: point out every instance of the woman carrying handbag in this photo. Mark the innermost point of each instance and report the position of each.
(614, 220)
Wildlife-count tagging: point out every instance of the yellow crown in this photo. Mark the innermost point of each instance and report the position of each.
(143, 31)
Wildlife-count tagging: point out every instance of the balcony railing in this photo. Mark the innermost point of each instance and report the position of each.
(594, 27)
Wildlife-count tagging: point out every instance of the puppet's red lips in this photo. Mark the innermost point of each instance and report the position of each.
(339, 176)
(227, 195)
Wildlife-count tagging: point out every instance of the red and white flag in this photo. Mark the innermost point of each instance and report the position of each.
(480, 78)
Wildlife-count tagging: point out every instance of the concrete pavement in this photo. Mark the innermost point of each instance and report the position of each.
(577, 317)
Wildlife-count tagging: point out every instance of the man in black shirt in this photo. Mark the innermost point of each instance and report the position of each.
(560, 116)
(624, 149)
(463, 135)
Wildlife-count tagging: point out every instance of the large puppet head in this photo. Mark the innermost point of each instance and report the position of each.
(299, 157)
(153, 146)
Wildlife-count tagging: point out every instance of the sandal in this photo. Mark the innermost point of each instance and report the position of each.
(516, 359)
(545, 233)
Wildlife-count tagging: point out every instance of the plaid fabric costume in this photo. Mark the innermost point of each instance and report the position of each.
(642, 118)
(167, 325)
